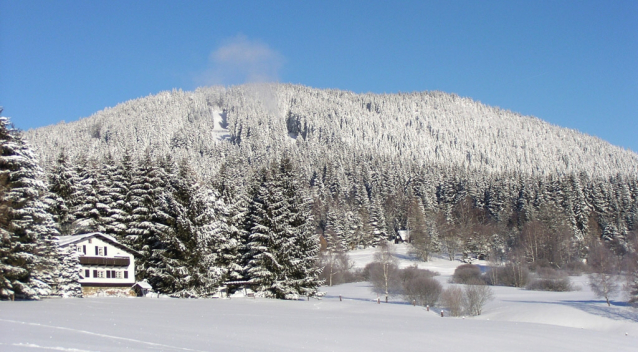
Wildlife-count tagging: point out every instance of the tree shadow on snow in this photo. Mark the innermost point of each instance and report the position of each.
(617, 311)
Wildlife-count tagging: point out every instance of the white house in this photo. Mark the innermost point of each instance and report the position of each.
(107, 266)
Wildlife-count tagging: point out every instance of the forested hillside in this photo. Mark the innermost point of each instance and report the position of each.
(237, 183)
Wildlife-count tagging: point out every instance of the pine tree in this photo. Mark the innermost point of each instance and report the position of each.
(282, 245)
(68, 284)
(62, 178)
(27, 253)
(148, 221)
(85, 204)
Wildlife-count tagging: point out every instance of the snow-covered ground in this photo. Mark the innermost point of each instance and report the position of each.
(517, 320)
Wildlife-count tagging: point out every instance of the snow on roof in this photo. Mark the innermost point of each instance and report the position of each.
(403, 234)
(143, 284)
(64, 241)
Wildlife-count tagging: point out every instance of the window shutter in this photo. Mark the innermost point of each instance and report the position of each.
(84, 248)
(105, 251)
(108, 274)
(94, 273)
(126, 274)
(87, 273)
(113, 275)
(96, 251)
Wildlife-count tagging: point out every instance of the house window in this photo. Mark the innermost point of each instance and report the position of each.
(100, 251)
(87, 273)
(90, 241)
(118, 274)
(100, 274)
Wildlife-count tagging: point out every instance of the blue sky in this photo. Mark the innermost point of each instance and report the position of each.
(572, 63)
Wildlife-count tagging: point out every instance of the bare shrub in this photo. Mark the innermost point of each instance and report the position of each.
(383, 272)
(512, 274)
(466, 273)
(604, 266)
(422, 289)
(384, 278)
(549, 279)
(452, 299)
(576, 268)
(413, 271)
(562, 285)
(476, 295)
(335, 267)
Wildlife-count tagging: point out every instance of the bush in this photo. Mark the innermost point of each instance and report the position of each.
(412, 272)
(452, 299)
(422, 289)
(466, 273)
(475, 297)
(576, 268)
(557, 285)
(373, 272)
(512, 274)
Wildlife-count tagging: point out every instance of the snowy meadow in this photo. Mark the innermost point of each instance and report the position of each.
(515, 320)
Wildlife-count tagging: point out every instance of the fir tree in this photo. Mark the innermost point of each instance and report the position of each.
(27, 254)
(282, 245)
(148, 223)
(68, 284)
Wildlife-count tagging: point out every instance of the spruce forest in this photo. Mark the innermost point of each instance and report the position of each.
(258, 182)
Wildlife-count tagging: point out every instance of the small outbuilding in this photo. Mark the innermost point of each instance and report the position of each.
(402, 236)
(142, 288)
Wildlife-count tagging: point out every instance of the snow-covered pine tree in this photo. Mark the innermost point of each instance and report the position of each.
(282, 245)
(62, 178)
(27, 253)
(120, 208)
(68, 277)
(86, 207)
(302, 272)
(108, 195)
(232, 216)
(148, 222)
(378, 223)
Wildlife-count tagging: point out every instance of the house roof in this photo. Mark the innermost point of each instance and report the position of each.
(64, 241)
(143, 284)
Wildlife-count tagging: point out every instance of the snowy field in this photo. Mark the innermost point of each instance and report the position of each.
(516, 320)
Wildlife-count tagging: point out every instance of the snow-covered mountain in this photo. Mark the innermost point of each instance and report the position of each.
(261, 120)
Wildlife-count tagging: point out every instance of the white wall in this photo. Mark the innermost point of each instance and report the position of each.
(111, 252)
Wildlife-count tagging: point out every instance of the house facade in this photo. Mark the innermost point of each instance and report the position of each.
(107, 266)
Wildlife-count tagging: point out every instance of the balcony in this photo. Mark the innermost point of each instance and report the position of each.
(119, 261)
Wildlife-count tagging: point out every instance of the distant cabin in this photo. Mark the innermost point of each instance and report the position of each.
(402, 236)
(107, 266)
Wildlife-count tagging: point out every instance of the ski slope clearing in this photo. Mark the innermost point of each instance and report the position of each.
(516, 320)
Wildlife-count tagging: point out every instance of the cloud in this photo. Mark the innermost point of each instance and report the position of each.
(241, 60)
